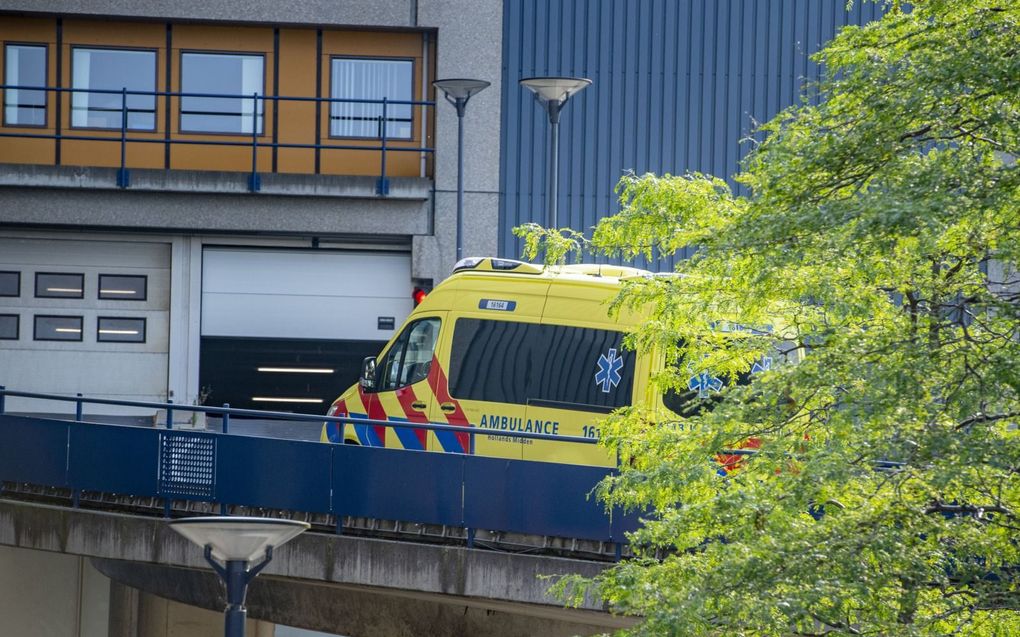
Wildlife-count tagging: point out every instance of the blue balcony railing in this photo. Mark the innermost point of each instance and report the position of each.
(136, 135)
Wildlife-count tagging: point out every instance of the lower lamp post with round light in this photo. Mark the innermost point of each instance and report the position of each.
(232, 545)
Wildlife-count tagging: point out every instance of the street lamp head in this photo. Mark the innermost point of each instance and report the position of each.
(458, 91)
(552, 93)
(555, 90)
(238, 538)
(459, 88)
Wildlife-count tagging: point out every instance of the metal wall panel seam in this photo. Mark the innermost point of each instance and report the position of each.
(590, 116)
(785, 56)
(575, 124)
(669, 90)
(734, 92)
(697, 62)
(627, 94)
(505, 134)
(803, 49)
(601, 113)
(718, 56)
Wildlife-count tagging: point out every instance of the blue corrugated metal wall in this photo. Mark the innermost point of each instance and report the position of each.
(676, 84)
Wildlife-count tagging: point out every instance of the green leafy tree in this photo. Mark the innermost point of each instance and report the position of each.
(879, 236)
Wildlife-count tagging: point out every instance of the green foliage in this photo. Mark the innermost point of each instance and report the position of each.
(881, 234)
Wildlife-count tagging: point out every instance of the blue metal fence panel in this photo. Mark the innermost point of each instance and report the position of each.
(626, 522)
(266, 472)
(424, 487)
(114, 459)
(391, 484)
(677, 85)
(534, 497)
(33, 450)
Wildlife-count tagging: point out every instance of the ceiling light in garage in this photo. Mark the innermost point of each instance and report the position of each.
(265, 399)
(297, 370)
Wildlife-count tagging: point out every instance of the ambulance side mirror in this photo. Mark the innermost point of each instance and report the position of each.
(368, 373)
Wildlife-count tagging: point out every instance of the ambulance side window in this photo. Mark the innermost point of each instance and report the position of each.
(533, 363)
(702, 394)
(410, 358)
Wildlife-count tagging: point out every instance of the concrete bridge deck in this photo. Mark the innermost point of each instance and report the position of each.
(349, 585)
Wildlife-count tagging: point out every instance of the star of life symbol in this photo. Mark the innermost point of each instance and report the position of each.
(761, 365)
(609, 370)
(705, 383)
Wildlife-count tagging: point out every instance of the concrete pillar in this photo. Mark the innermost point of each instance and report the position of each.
(137, 614)
(123, 610)
(47, 594)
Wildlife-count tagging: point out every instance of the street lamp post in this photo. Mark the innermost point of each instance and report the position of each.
(458, 92)
(230, 546)
(552, 93)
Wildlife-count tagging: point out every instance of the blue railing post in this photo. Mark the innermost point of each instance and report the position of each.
(226, 429)
(169, 414)
(123, 177)
(383, 187)
(343, 431)
(254, 180)
(471, 451)
(78, 408)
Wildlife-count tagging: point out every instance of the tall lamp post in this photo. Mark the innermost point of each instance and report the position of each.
(458, 92)
(552, 93)
(231, 544)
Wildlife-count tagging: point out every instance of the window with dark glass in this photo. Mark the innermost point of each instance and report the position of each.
(59, 285)
(410, 358)
(370, 79)
(222, 74)
(99, 77)
(9, 327)
(25, 65)
(10, 283)
(531, 363)
(702, 393)
(120, 330)
(122, 287)
(58, 328)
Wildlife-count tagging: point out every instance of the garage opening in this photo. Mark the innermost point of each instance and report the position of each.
(286, 330)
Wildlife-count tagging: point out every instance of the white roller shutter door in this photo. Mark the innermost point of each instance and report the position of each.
(312, 294)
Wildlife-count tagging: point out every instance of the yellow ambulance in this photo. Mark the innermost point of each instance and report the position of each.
(506, 347)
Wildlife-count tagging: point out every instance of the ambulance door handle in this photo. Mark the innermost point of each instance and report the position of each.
(448, 407)
(419, 405)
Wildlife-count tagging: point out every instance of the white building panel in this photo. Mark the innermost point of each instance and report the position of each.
(89, 363)
(317, 294)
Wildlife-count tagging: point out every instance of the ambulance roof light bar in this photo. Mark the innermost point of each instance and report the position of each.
(491, 264)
